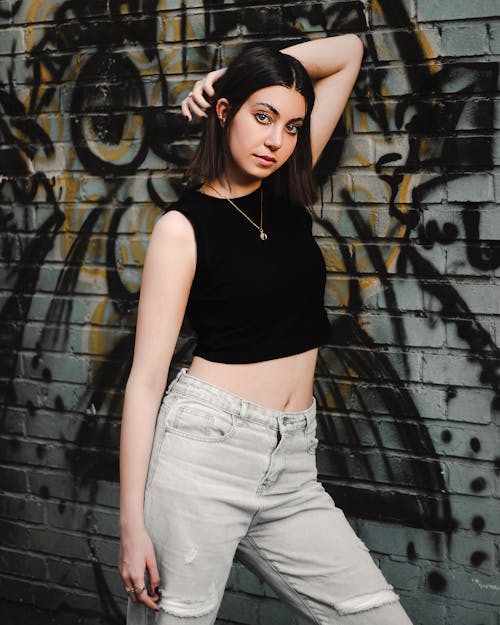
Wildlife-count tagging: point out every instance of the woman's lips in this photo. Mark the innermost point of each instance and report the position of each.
(266, 161)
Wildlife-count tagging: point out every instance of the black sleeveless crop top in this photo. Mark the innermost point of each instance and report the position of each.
(254, 300)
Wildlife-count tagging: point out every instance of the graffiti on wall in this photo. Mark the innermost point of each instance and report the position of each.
(94, 148)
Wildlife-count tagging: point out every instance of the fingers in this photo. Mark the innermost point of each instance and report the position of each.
(138, 593)
(211, 78)
(196, 101)
(154, 575)
(190, 106)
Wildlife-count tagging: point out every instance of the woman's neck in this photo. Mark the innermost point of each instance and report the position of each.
(226, 188)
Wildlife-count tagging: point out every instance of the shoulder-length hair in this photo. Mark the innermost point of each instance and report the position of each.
(255, 68)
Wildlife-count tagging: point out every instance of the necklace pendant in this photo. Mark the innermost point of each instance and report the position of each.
(263, 235)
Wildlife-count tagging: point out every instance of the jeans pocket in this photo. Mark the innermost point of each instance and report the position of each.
(311, 440)
(193, 418)
(158, 437)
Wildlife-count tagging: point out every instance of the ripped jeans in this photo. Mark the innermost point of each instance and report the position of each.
(230, 478)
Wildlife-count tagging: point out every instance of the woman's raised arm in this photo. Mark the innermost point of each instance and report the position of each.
(333, 64)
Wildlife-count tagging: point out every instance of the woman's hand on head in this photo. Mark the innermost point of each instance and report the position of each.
(137, 556)
(196, 102)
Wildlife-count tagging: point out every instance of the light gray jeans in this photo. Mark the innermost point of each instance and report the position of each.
(230, 478)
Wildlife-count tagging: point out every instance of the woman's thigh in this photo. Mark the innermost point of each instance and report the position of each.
(194, 510)
(305, 549)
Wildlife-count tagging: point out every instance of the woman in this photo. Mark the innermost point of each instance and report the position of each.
(229, 470)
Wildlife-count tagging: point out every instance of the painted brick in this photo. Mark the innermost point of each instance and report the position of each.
(5, 12)
(408, 294)
(12, 41)
(404, 574)
(470, 188)
(106, 550)
(240, 608)
(356, 152)
(15, 535)
(22, 564)
(470, 406)
(434, 10)
(401, 17)
(466, 441)
(21, 508)
(56, 367)
(416, 331)
(13, 480)
(475, 552)
(50, 425)
(465, 40)
(57, 543)
(494, 29)
(484, 586)
(463, 333)
(466, 612)
(467, 478)
(81, 518)
(392, 540)
(392, 81)
(271, 612)
(13, 590)
(369, 188)
(14, 422)
(424, 609)
(441, 369)
(389, 44)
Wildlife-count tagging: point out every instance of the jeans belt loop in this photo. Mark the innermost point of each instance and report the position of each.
(242, 412)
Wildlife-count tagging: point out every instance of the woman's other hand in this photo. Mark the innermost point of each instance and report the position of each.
(196, 101)
(137, 556)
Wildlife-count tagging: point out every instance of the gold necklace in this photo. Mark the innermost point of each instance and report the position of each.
(263, 235)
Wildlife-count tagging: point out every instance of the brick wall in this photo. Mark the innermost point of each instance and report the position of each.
(92, 146)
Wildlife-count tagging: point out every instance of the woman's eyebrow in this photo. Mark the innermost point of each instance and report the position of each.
(276, 112)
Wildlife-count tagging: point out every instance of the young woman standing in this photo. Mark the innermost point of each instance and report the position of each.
(222, 463)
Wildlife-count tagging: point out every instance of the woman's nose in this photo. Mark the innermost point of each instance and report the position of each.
(273, 139)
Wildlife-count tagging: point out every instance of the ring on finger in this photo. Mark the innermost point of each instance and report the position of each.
(137, 590)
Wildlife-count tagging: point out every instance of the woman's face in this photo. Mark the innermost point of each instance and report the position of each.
(264, 132)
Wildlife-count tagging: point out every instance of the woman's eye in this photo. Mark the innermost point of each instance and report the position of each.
(263, 118)
(292, 129)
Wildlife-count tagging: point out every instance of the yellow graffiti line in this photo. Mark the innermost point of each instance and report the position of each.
(363, 121)
(432, 63)
(366, 283)
(40, 13)
(47, 122)
(101, 341)
(93, 272)
(171, 28)
(153, 214)
(377, 8)
(361, 159)
(123, 254)
(133, 132)
(137, 250)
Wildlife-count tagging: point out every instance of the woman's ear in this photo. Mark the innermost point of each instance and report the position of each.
(221, 109)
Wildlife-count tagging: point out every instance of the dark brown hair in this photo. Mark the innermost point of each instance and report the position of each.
(255, 68)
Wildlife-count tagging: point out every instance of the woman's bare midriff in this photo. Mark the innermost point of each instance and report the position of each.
(282, 383)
